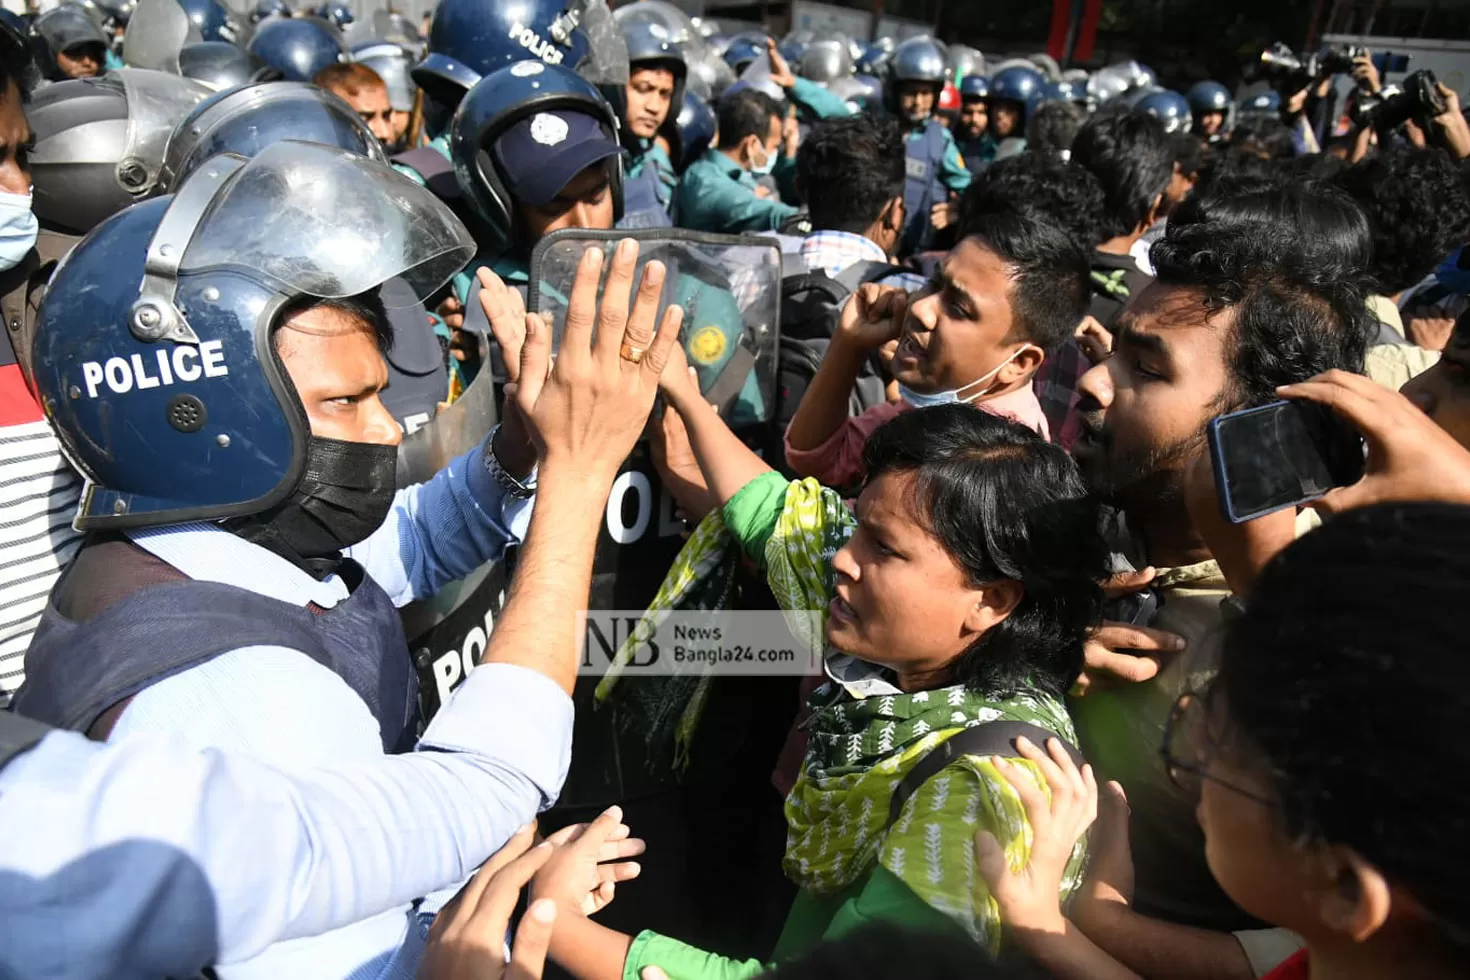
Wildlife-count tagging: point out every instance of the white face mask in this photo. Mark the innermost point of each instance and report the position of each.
(765, 166)
(18, 228)
(981, 385)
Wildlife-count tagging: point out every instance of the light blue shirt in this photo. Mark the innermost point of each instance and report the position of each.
(280, 707)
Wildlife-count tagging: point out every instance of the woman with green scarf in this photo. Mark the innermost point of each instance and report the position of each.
(958, 593)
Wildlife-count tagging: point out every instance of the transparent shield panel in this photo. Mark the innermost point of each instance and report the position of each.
(156, 103)
(729, 287)
(157, 31)
(607, 61)
(324, 222)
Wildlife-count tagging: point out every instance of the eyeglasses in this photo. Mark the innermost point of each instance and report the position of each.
(1187, 748)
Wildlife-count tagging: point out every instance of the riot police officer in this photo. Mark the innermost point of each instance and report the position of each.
(916, 74)
(230, 376)
(696, 124)
(1014, 92)
(650, 133)
(972, 133)
(75, 46)
(298, 48)
(1169, 108)
(221, 65)
(392, 64)
(1210, 103)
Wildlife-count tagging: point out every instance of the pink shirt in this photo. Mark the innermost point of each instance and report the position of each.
(838, 462)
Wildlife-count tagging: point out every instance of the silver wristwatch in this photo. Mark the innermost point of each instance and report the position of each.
(508, 483)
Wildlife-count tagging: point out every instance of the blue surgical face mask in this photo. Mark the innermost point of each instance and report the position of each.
(978, 388)
(18, 229)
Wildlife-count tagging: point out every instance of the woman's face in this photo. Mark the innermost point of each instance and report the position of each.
(901, 600)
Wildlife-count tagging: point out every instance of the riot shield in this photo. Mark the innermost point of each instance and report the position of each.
(158, 30)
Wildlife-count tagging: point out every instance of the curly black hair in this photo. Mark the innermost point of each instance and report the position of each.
(1006, 504)
(1343, 674)
(1418, 208)
(1288, 258)
(1130, 155)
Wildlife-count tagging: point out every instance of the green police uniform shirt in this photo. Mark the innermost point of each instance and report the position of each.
(440, 143)
(717, 194)
(953, 173)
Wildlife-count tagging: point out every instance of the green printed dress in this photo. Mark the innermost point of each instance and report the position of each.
(864, 737)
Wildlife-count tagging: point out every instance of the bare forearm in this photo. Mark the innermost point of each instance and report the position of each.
(823, 408)
(588, 951)
(727, 463)
(1069, 955)
(1161, 950)
(538, 628)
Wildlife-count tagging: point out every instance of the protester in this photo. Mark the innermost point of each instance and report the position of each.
(1009, 293)
(1052, 127)
(361, 87)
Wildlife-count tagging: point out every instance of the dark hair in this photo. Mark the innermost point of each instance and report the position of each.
(1043, 236)
(1005, 504)
(745, 113)
(848, 169)
(1129, 154)
(1418, 208)
(1052, 126)
(367, 307)
(1343, 674)
(1267, 138)
(1191, 154)
(1287, 258)
(880, 950)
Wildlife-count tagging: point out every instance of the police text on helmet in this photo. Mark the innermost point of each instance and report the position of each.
(185, 364)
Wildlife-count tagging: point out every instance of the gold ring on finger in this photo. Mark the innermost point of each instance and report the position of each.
(630, 353)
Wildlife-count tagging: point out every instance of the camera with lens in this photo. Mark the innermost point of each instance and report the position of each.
(1417, 98)
(1289, 73)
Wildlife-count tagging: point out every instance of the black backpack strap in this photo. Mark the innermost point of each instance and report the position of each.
(867, 271)
(991, 738)
(18, 735)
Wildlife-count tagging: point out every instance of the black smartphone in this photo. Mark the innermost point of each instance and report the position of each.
(1281, 455)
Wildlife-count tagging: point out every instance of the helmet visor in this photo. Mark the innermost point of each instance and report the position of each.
(156, 103)
(320, 221)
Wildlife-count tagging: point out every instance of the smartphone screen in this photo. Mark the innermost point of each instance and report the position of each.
(1281, 455)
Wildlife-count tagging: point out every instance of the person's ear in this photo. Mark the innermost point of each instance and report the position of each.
(1153, 211)
(991, 603)
(891, 217)
(1022, 366)
(1352, 897)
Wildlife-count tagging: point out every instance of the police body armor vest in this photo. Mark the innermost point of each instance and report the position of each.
(121, 620)
(922, 188)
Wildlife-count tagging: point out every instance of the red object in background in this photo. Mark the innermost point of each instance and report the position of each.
(949, 98)
(1061, 25)
(1087, 33)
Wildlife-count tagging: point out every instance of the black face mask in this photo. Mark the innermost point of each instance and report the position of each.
(344, 495)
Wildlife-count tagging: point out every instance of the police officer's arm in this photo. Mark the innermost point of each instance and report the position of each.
(732, 207)
(727, 463)
(872, 317)
(805, 93)
(952, 170)
(585, 414)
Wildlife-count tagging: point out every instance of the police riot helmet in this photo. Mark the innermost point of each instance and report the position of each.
(1023, 85)
(245, 121)
(852, 92)
(974, 88)
(392, 65)
(214, 21)
(919, 59)
(1062, 91)
(871, 61)
(826, 61)
(269, 8)
(99, 143)
(1107, 84)
(298, 48)
(697, 125)
(1267, 103)
(175, 375)
(794, 45)
(66, 28)
(118, 12)
(529, 90)
(743, 49)
(19, 52)
(705, 70)
(1169, 108)
(469, 39)
(386, 26)
(337, 14)
(964, 61)
(1206, 97)
(221, 66)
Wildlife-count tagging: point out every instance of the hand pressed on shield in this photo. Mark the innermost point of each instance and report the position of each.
(506, 313)
(467, 941)
(1409, 457)
(588, 409)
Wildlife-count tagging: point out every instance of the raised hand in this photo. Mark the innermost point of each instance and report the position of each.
(873, 316)
(582, 874)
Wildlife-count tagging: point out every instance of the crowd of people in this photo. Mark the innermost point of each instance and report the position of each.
(316, 325)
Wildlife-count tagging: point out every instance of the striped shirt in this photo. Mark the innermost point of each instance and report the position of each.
(38, 500)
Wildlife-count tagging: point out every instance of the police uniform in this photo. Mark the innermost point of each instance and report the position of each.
(649, 183)
(933, 169)
(977, 153)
